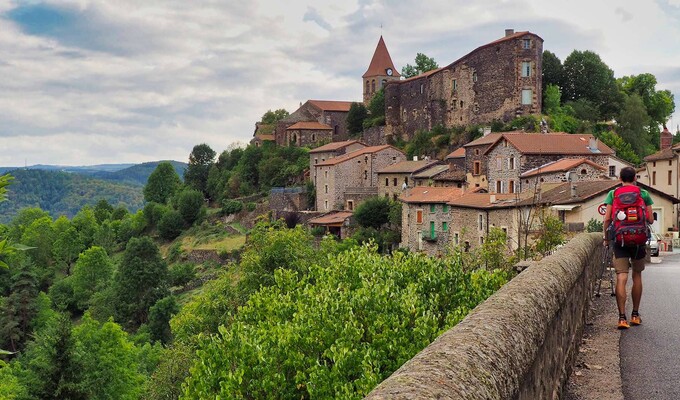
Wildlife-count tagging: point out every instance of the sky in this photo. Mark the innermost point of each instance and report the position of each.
(127, 81)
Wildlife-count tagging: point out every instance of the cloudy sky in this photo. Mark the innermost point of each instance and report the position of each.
(94, 82)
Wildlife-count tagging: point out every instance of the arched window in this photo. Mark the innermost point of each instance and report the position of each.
(368, 86)
(583, 171)
(373, 86)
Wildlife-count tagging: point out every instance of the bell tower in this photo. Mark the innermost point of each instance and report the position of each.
(380, 71)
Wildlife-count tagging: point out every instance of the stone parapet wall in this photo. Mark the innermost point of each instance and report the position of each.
(519, 344)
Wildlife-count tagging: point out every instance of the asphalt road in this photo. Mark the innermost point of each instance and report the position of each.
(650, 353)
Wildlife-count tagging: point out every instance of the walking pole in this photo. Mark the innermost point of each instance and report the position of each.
(606, 266)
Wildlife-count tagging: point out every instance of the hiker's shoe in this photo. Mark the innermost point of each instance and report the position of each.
(623, 324)
(635, 319)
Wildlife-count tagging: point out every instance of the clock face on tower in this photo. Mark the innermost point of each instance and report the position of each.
(389, 71)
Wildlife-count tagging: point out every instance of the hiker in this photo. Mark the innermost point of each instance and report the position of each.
(625, 223)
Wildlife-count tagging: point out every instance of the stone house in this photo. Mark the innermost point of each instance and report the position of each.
(497, 81)
(380, 71)
(448, 178)
(336, 223)
(263, 133)
(563, 170)
(456, 159)
(426, 218)
(515, 153)
(343, 182)
(331, 150)
(475, 159)
(329, 118)
(395, 178)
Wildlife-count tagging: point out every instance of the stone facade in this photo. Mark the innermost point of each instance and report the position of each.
(308, 137)
(472, 225)
(426, 227)
(354, 196)
(330, 113)
(497, 81)
(316, 156)
(391, 185)
(358, 169)
(583, 172)
(288, 199)
(374, 136)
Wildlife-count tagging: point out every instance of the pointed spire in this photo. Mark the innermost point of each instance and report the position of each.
(380, 62)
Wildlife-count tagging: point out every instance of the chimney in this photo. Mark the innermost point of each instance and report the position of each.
(487, 130)
(509, 32)
(666, 139)
(592, 144)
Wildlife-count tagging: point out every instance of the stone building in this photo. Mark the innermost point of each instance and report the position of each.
(323, 121)
(497, 81)
(563, 170)
(395, 178)
(456, 159)
(331, 150)
(426, 219)
(380, 71)
(343, 182)
(512, 154)
(615, 166)
(475, 160)
(336, 223)
(263, 133)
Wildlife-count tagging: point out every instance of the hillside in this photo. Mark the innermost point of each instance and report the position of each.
(62, 193)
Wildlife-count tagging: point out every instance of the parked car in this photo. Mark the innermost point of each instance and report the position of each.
(654, 244)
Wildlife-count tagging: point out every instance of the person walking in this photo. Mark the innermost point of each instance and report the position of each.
(625, 224)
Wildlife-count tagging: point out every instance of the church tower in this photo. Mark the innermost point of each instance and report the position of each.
(380, 71)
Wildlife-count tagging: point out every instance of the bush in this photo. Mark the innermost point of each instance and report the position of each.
(170, 226)
(251, 206)
(594, 225)
(231, 207)
(318, 231)
(190, 206)
(153, 212)
(181, 274)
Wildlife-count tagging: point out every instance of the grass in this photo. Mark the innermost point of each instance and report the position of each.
(228, 243)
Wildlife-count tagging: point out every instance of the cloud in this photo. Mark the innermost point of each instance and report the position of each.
(313, 15)
(625, 15)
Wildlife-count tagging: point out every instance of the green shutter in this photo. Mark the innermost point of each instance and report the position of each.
(432, 229)
(432, 208)
(445, 227)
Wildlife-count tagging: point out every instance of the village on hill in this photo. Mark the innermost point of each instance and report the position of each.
(504, 180)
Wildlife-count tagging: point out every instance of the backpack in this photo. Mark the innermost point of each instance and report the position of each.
(629, 216)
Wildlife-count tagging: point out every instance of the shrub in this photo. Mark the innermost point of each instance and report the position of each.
(231, 207)
(318, 231)
(251, 206)
(181, 274)
(170, 225)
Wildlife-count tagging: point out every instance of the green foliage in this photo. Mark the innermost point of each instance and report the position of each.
(102, 210)
(10, 386)
(551, 233)
(251, 206)
(181, 274)
(623, 149)
(62, 295)
(173, 369)
(272, 117)
(163, 183)
(338, 331)
(191, 206)
(92, 272)
(376, 110)
(423, 64)
(385, 239)
(633, 126)
(583, 109)
(139, 282)
(659, 105)
(131, 226)
(153, 212)
(40, 235)
(201, 160)
(373, 213)
(526, 123)
(231, 207)
(159, 318)
(586, 76)
(495, 253)
(594, 225)
(18, 309)
(427, 143)
(355, 118)
(553, 73)
(318, 231)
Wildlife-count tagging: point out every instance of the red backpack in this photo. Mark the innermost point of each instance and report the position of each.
(629, 216)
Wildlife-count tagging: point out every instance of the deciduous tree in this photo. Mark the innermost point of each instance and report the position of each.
(423, 64)
(162, 184)
(201, 159)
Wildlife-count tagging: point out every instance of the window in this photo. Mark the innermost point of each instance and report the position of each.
(653, 177)
(455, 84)
(480, 222)
(511, 186)
(670, 163)
(527, 95)
(406, 180)
(373, 86)
(325, 173)
(394, 182)
(461, 104)
(368, 86)
(313, 137)
(476, 168)
(365, 174)
(474, 77)
(384, 81)
(432, 233)
(499, 187)
(350, 205)
(526, 43)
(326, 189)
(445, 208)
(481, 240)
(419, 216)
(511, 163)
(670, 177)
(387, 182)
(395, 197)
(432, 208)
(325, 204)
(526, 69)
(612, 170)
(654, 164)
(583, 171)
(445, 227)
(422, 88)
(316, 161)
(366, 159)
(476, 152)
(499, 163)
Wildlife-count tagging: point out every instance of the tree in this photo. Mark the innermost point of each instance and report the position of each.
(355, 118)
(40, 235)
(373, 213)
(551, 99)
(102, 211)
(170, 225)
(660, 105)
(86, 224)
(200, 161)
(553, 72)
(376, 110)
(141, 280)
(92, 272)
(272, 117)
(67, 246)
(159, 319)
(191, 206)
(551, 233)
(633, 125)
(173, 369)
(10, 386)
(423, 64)
(586, 76)
(162, 184)
(623, 149)
(17, 310)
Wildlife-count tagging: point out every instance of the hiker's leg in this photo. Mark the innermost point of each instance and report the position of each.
(621, 279)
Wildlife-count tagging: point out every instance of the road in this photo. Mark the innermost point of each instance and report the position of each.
(650, 353)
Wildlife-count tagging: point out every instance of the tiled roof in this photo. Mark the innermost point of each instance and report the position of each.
(262, 136)
(380, 62)
(433, 171)
(486, 200)
(458, 153)
(563, 164)
(335, 146)
(423, 75)
(561, 194)
(552, 143)
(336, 218)
(429, 194)
(357, 153)
(665, 154)
(454, 175)
(328, 105)
(309, 125)
(484, 140)
(407, 167)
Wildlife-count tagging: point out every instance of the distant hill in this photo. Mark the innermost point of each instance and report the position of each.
(65, 193)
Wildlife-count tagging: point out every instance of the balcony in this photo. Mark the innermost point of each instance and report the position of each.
(429, 237)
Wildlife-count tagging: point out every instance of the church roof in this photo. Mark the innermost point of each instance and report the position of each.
(380, 62)
(309, 125)
(329, 105)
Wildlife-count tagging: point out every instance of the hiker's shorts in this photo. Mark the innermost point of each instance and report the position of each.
(636, 254)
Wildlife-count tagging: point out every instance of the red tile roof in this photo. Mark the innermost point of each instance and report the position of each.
(563, 164)
(335, 146)
(484, 140)
(429, 194)
(665, 154)
(335, 218)
(262, 136)
(329, 105)
(433, 171)
(552, 143)
(485, 200)
(458, 153)
(407, 166)
(309, 125)
(356, 153)
(380, 62)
